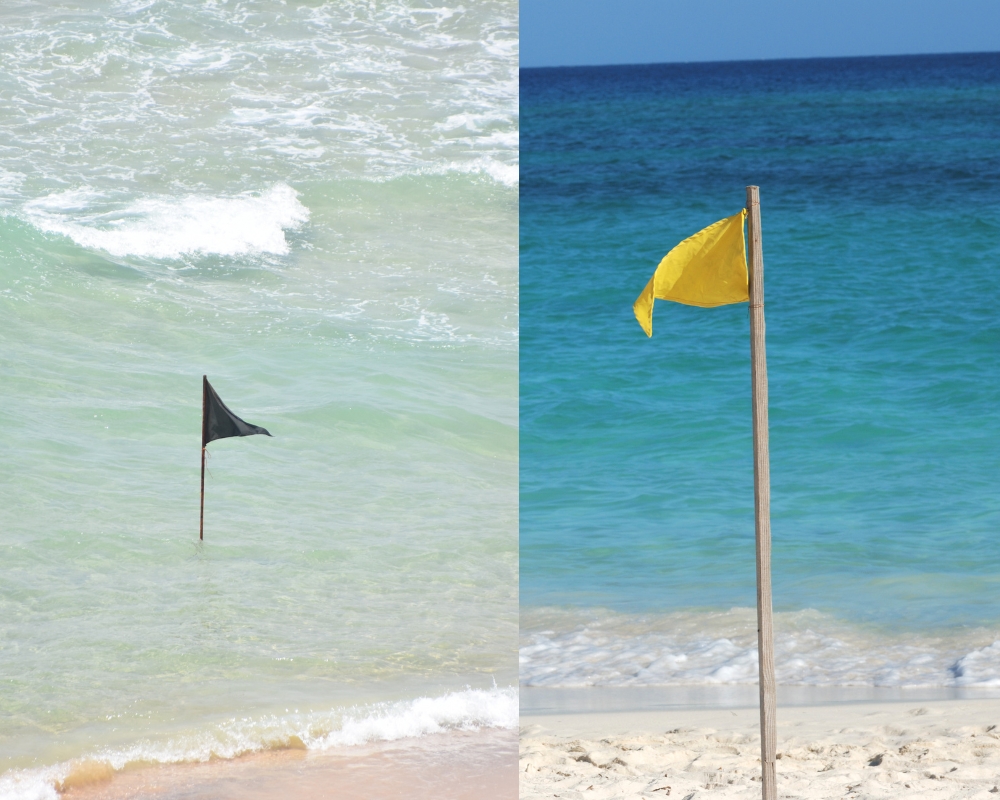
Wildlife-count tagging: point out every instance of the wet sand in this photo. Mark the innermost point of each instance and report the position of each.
(478, 765)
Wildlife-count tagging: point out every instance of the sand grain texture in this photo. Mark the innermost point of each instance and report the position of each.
(942, 749)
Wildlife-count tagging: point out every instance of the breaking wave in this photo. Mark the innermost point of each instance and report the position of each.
(468, 710)
(169, 227)
(601, 648)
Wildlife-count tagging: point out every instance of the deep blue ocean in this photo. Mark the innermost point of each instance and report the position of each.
(880, 206)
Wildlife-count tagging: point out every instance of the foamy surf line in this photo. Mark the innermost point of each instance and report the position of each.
(172, 227)
(506, 174)
(468, 710)
(564, 649)
(487, 168)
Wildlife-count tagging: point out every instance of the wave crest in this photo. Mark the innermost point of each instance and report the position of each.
(468, 710)
(172, 227)
(601, 648)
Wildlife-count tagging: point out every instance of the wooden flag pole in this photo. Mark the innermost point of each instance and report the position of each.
(762, 501)
(204, 436)
(201, 519)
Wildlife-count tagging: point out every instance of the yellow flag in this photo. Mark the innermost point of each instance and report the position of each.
(708, 269)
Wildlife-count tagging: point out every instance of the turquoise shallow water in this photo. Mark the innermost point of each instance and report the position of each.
(316, 206)
(881, 232)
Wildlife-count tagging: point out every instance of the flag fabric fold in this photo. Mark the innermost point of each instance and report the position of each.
(708, 269)
(218, 422)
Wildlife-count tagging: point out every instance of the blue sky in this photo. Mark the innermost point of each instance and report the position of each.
(577, 32)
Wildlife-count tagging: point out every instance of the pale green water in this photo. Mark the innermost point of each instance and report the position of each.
(316, 206)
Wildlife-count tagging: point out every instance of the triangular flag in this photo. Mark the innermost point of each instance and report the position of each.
(708, 269)
(221, 423)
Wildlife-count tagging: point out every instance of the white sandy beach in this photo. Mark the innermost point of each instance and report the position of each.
(934, 749)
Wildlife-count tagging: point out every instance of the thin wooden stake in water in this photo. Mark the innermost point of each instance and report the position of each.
(204, 436)
(201, 519)
(762, 501)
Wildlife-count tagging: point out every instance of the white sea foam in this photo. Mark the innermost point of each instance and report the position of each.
(386, 92)
(507, 174)
(171, 227)
(472, 122)
(468, 710)
(10, 183)
(701, 648)
(980, 667)
(31, 784)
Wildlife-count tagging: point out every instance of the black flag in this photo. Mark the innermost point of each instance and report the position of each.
(218, 422)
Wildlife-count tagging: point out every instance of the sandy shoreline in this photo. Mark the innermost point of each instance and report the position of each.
(478, 765)
(933, 749)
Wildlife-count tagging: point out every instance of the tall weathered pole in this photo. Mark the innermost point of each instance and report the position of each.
(762, 500)
(204, 441)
